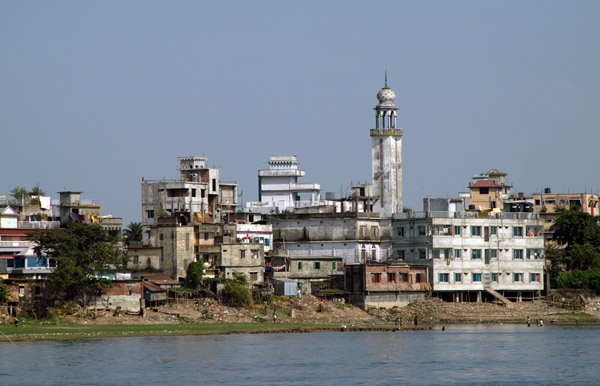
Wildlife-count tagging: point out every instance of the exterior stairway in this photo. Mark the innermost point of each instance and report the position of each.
(497, 295)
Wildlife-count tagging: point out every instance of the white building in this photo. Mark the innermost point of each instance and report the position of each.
(471, 254)
(279, 189)
(386, 148)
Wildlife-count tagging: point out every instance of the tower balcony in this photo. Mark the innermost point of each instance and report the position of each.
(386, 132)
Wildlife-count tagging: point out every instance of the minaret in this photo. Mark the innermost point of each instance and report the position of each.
(386, 147)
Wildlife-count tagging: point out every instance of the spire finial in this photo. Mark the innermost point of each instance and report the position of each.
(386, 86)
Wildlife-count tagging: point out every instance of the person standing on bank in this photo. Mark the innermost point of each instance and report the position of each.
(274, 316)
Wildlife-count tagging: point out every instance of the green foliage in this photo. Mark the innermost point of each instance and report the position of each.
(573, 227)
(84, 255)
(237, 290)
(579, 234)
(193, 275)
(133, 232)
(37, 190)
(4, 292)
(19, 192)
(581, 279)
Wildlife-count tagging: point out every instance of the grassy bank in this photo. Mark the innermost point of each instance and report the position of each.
(79, 331)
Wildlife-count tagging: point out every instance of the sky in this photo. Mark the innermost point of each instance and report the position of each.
(95, 96)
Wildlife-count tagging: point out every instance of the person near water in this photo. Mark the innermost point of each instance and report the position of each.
(274, 316)
(528, 321)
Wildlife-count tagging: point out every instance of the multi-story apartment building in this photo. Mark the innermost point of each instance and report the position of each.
(470, 253)
(197, 197)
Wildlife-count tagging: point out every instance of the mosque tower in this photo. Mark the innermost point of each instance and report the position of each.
(386, 148)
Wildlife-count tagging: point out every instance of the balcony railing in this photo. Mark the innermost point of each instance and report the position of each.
(39, 224)
(501, 215)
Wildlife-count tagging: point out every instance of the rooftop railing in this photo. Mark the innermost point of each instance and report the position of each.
(39, 224)
(446, 214)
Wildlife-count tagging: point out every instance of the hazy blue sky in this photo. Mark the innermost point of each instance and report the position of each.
(96, 95)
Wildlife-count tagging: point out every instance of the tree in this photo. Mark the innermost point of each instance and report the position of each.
(193, 275)
(133, 233)
(84, 256)
(574, 227)
(4, 292)
(37, 190)
(19, 192)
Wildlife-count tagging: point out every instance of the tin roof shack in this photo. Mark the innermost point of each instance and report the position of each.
(386, 285)
(285, 287)
(154, 294)
(125, 295)
(306, 268)
(244, 258)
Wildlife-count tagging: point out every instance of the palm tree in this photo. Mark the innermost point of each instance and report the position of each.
(133, 233)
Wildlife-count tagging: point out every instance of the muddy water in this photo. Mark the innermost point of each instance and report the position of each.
(461, 355)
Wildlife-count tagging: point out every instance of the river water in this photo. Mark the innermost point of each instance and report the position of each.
(461, 355)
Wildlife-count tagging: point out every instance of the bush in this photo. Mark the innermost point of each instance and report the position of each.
(237, 293)
(588, 279)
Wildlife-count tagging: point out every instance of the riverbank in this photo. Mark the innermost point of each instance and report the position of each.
(206, 316)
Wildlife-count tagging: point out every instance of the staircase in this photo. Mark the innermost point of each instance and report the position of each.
(497, 295)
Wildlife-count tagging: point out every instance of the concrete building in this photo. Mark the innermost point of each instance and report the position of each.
(73, 208)
(386, 149)
(394, 284)
(197, 197)
(354, 236)
(470, 254)
(279, 189)
(547, 205)
(244, 258)
(304, 269)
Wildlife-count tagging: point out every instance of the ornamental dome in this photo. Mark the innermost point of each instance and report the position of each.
(386, 96)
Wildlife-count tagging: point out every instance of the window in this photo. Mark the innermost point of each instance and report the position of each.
(518, 231)
(436, 253)
(376, 277)
(161, 236)
(534, 253)
(150, 213)
(400, 253)
(401, 232)
(533, 231)
(476, 277)
(136, 259)
(517, 277)
(457, 253)
(317, 265)
(443, 278)
(422, 230)
(494, 230)
(242, 253)
(457, 230)
(494, 253)
(253, 276)
(535, 278)
(403, 277)
(129, 290)
(333, 265)
(363, 252)
(494, 277)
(475, 231)
(373, 252)
(363, 231)
(518, 254)
(391, 277)
(205, 235)
(299, 266)
(457, 277)
(375, 231)
(422, 254)
(484, 190)
(254, 253)
(476, 254)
